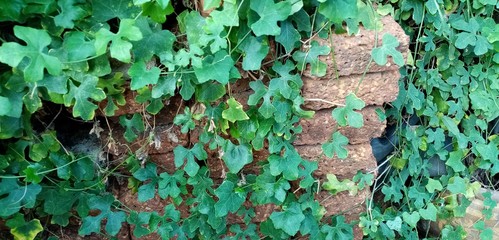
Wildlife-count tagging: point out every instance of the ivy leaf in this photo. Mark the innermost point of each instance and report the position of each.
(488, 151)
(228, 16)
(209, 92)
(260, 91)
(186, 120)
(136, 123)
(411, 219)
(181, 153)
(287, 165)
(172, 185)
(289, 37)
(311, 57)
(154, 42)
(28, 230)
(108, 9)
(337, 145)
(334, 186)
(339, 229)
(12, 10)
(148, 173)
(17, 196)
(5, 106)
(215, 68)
(92, 224)
(270, 13)
(457, 185)
(80, 95)
(255, 50)
(338, 10)
(157, 10)
(469, 37)
(120, 41)
(288, 220)
(70, 12)
(346, 114)
(36, 40)
(430, 213)
(230, 198)
(389, 48)
(433, 185)
(236, 156)
(455, 161)
(235, 111)
(287, 85)
(166, 87)
(77, 46)
(141, 76)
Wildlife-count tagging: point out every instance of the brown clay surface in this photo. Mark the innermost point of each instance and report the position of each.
(375, 89)
(350, 55)
(359, 158)
(318, 130)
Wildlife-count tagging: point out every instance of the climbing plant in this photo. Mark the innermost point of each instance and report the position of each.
(83, 55)
(446, 119)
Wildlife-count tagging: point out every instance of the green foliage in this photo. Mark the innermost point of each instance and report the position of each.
(450, 87)
(81, 53)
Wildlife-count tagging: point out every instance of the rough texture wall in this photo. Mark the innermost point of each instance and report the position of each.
(347, 71)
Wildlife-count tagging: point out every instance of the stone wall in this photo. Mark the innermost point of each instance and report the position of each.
(347, 70)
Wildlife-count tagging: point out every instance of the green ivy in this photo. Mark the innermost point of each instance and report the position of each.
(81, 54)
(451, 86)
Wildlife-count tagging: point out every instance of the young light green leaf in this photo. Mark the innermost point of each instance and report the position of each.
(337, 145)
(455, 161)
(433, 185)
(429, 213)
(235, 111)
(12, 53)
(142, 76)
(389, 48)
(120, 42)
(288, 220)
(230, 198)
(28, 230)
(334, 186)
(346, 115)
(411, 219)
(270, 13)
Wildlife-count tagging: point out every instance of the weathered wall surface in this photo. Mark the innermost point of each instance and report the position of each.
(347, 70)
